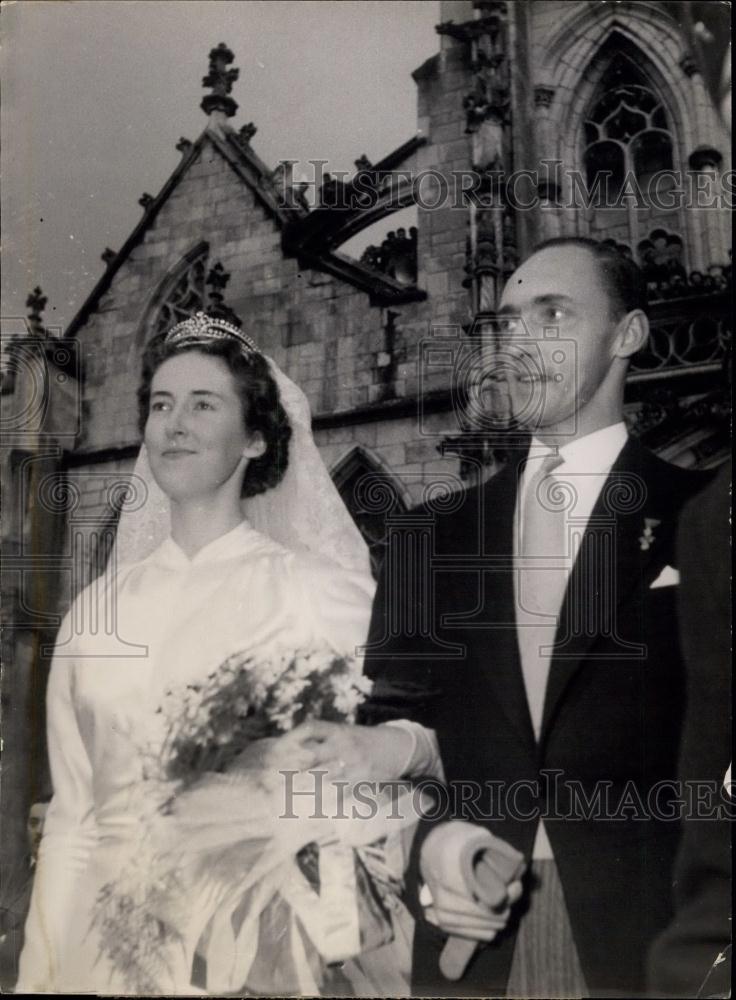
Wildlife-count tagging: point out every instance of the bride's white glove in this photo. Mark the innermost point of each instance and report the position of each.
(272, 754)
(265, 759)
(261, 763)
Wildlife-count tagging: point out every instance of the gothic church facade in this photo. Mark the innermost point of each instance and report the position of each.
(557, 95)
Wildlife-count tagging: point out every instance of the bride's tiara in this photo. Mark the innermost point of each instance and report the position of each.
(201, 327)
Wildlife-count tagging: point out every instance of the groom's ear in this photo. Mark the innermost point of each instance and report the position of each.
(632, 334)
(255, 447)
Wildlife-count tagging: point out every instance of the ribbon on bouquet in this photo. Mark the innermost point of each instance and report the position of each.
(236, 853)
(331, 918)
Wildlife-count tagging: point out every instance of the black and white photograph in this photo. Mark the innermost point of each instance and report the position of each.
(366, 498)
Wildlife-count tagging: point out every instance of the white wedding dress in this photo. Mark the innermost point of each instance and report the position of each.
(160, 623)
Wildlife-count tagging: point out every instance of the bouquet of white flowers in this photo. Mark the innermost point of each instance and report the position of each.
(228, 887)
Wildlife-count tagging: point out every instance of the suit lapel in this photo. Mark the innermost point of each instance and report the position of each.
(613, 560)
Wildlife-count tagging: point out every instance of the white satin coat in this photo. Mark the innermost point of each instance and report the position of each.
(155, 624)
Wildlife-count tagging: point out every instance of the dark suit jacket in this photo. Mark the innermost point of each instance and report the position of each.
(683, 955)
(443, 651)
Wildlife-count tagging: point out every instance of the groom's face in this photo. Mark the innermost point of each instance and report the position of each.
(555, 333)
(195, 433)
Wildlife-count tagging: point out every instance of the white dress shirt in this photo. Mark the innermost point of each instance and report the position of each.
(586, 462)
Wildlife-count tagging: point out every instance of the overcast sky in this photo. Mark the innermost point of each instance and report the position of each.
(96, 95)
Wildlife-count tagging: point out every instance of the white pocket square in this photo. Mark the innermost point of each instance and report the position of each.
(669, 577)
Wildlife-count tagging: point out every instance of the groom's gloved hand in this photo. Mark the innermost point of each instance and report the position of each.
(471, 880)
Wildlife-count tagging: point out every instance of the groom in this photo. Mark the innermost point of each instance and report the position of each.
(550, 669)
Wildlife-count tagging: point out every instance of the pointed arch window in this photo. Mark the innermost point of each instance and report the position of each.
(372, 495)
(628, 152)
(626, 132)
(186, 294)
(182, 293)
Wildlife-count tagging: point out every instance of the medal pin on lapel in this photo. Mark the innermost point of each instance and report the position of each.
(647, 539)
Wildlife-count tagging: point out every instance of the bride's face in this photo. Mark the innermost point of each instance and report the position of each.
(195, 434)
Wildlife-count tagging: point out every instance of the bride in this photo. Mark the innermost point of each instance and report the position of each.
(242, 543)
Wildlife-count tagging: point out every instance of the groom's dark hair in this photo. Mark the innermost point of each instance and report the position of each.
(620, 275)
(259, 394)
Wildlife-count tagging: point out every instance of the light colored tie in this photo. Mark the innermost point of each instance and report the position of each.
(541, 579)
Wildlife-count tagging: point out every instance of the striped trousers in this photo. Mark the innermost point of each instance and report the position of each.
(545, 962)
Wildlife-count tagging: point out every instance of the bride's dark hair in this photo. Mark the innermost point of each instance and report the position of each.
(259, 394)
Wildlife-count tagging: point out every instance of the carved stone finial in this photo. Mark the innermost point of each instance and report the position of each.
(543, 96)
(36, 303)
(329, 191)
(217, 281)
(184, 145)
(491, 6)
(396, 256)
(246, 133)
(221, 80)
(493, 13)
(509, 251)
(489, 99)
(300, 194)
(689, 64)
(145, 201)
(108, 256)
(486, 249)
(280, 175)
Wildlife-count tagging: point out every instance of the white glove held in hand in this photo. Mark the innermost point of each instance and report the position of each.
(471, 881)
